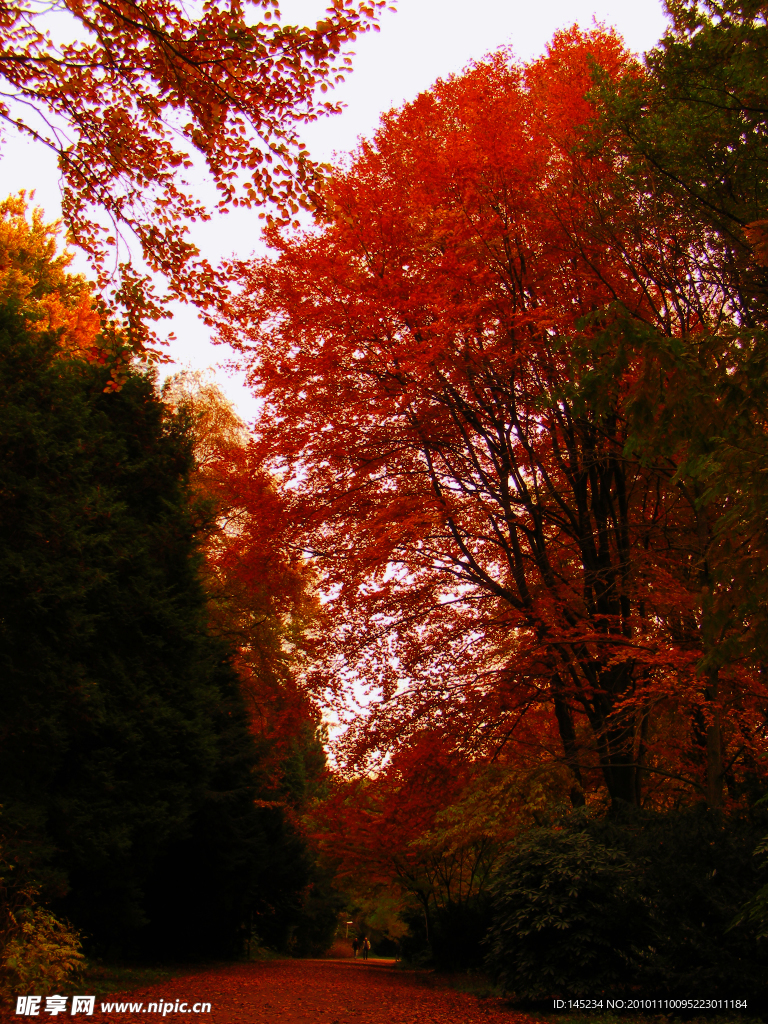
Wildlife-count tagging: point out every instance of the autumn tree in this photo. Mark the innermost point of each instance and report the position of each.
(423, 837)
(447, 365)
(36, 283)
(132, 96)
(261, 594)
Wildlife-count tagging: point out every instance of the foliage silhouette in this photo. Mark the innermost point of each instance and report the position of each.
(127, 760)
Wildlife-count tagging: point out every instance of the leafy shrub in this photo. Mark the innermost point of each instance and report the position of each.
(566, 910)
(38, 952)
(644, 900)
(695, 870)
(42, 955)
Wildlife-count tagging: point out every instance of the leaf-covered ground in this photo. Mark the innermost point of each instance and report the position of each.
(316, 991)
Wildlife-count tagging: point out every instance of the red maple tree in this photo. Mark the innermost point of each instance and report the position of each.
(449, 364)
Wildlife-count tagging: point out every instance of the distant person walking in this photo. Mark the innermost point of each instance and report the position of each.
(366, 947)
(355, 945)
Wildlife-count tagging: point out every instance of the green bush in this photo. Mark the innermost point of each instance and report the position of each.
(755, 910)
(566, 910)
(642, 901)
(695, 870)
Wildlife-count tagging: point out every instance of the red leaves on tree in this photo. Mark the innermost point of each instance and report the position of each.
(143, 92)
(262, 601)
(447, 365)
(260, 590)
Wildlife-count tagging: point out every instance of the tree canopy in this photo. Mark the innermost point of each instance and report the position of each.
(451, 365)
(131, 96)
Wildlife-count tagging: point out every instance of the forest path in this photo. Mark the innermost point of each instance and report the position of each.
(312, 992)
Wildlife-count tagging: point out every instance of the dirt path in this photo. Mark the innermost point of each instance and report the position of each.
(304, 991)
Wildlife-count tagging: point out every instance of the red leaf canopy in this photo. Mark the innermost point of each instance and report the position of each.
(446, 364)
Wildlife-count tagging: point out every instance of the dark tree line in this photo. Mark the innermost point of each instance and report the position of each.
(129, 777)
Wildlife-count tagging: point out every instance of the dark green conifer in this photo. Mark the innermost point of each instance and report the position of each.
(127, 770)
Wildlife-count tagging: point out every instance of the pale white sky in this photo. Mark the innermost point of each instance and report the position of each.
(424, 40)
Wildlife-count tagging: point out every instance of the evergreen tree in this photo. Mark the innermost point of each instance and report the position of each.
(127, 769)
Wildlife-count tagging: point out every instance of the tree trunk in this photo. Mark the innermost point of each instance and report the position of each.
(568, 737)
(714, 747)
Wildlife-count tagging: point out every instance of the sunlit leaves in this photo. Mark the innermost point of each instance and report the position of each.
(132, 97)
